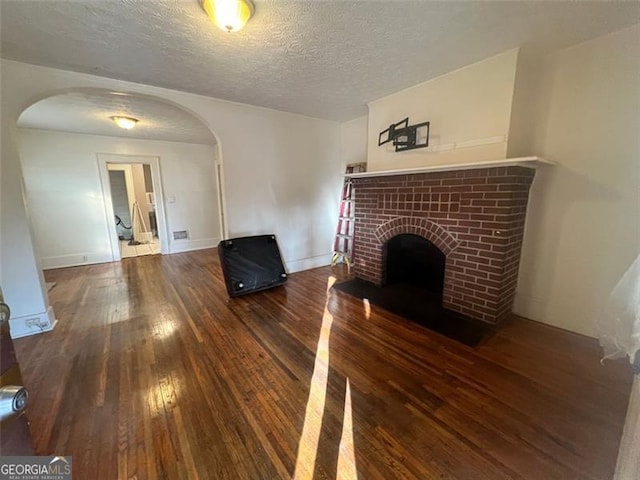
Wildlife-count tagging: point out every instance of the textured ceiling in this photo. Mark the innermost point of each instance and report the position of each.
(89, 112)
(319, 58)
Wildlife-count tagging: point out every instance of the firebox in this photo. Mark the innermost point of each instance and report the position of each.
(414, 260)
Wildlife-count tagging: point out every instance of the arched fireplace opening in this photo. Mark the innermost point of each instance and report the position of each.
(412, 284)
(413, 260)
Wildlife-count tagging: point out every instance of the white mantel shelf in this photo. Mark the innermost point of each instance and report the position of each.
(529, 162)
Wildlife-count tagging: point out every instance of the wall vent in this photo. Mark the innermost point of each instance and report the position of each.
(180, 235)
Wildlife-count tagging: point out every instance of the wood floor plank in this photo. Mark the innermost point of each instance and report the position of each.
(154, 373)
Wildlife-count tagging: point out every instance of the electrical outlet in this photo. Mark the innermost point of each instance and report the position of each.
(31, 322)
(35, 322)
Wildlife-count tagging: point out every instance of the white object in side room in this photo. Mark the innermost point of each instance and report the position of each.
(618, 326)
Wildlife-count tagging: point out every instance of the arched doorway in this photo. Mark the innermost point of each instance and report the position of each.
(66, 141)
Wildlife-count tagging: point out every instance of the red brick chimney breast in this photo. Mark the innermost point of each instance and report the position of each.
(475, 217)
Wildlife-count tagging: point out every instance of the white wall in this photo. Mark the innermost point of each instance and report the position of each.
(354, 140)
(283, 173)
(527, 104)
(66, 201)
(583, 222)
(286, 181)
(22, 282)
(470, 106)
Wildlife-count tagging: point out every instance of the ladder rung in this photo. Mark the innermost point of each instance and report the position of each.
(343, 240)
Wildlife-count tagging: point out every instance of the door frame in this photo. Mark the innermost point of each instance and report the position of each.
(156, 180)
(218, 168)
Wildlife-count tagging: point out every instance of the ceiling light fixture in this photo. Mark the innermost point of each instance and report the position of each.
(124, 122)
(229, 15)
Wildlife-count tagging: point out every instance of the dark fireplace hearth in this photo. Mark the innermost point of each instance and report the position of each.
(412, 286)
(420, 305)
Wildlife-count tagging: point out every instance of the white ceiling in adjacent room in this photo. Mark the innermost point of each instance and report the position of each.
(89, 111)
(324, 59)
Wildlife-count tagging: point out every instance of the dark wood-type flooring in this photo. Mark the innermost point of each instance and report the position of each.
(153, 372)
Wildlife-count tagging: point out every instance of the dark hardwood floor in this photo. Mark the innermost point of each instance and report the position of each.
(153, 372)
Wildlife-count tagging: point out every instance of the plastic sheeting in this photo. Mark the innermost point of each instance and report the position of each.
(618, 326)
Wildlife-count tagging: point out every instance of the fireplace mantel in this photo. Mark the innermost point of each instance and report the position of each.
(530, 162)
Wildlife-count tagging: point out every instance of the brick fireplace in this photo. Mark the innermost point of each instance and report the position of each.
(475, 217)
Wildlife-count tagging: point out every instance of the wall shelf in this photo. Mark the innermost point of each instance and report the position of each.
(529, 162)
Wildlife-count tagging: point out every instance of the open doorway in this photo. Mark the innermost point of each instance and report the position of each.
(134, 209)
(133, 203)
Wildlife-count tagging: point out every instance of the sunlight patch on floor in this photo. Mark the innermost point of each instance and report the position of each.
(347, 456)
(308, 446)
(367, 308)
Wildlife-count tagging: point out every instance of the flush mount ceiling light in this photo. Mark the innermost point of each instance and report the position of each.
(228, 15)
(125, 122)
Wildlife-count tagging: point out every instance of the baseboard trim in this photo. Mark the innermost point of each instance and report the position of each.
(75, 260)
(78, 259)
(42, 322)
(181, 246)
(308, 263)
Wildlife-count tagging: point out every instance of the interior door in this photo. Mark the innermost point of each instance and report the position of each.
(15, 437)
